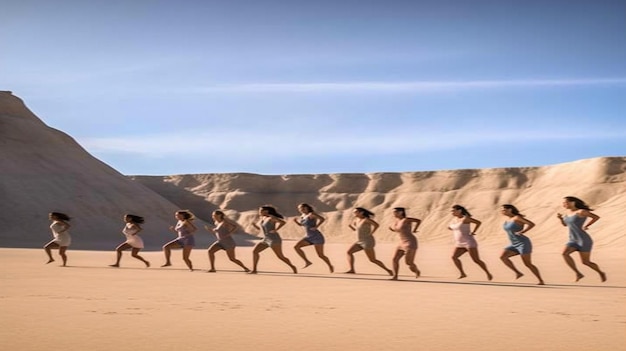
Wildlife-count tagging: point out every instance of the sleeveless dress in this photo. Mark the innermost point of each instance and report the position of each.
(313, 236)
(270, 237)
(224, 240)
(365, 239)
(462, 236)
(579, 239)
(60, 238)
(132, 238)
(185, 238)
(408, 241)
(519, 243)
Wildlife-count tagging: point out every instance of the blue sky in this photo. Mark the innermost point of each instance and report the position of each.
(290, 87)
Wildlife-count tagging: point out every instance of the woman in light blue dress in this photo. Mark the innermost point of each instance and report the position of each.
(577, 212)
(270, 222)
(515, 227)
(310, 221)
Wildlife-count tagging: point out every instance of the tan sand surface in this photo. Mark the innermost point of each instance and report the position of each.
(89, 306)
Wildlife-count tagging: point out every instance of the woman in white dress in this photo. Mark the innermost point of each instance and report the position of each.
(62, 238)
(133, 240)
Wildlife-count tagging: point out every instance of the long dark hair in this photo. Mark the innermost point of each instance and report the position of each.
(402, 211)
(513, 209)
(580, 204)
(187, 215)
(135, 219)
(463, 210)
(60, 216)
(366, 213)
(308, 207)
(272, 211)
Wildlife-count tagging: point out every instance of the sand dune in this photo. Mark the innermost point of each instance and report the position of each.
(536, 191)
(44, 170)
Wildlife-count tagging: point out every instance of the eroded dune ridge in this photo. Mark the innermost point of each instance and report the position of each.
(537, 191)
(43, 170)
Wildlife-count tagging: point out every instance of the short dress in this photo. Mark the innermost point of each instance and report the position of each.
(224, 239)
(185, 238)
(270, 236)
(579, 239)
(132, 239)
(462, 236)
(60, 238)
(519, 243)
(365, 239)
(313, 236)
(408, 241)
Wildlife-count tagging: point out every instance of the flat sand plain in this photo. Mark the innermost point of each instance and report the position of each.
(90, 306)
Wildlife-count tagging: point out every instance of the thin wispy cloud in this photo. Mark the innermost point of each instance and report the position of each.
(248, 146)
(411, 86)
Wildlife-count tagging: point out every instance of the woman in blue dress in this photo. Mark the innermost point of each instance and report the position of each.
(311, 221)
(515, 227)
(577, 212)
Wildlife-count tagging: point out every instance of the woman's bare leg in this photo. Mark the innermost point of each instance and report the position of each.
(458, 252)
(48, 248)
(372, 257)
(585, 257)
(396, 263)
(231, 256)
(135, 254)
(278, 250)
(62, 250)
(351, 251)
(506, 259)
(186, 253)
(258, 248)
(118, 251)
(211, 252)
(298, 247)
(528, 262)
(409, 259)
(319, 248)
(473, 252)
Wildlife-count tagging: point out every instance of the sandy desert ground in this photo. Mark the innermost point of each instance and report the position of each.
(90, 306)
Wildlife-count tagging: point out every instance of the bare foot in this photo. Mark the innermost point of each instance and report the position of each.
(147, 264)
(211, 270)
(518, 275)
(463, 275)
(294, 269)
(541, 283)
(418, 273)
(603, 276)
(50, 260)
(394, 278)
(579, 276)
(350, 272)
(390, 272)
(245, 269)
(166, 265)
(252, 272)
(114, 265)
(489, 277)
(306, 264)
(332, 269)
